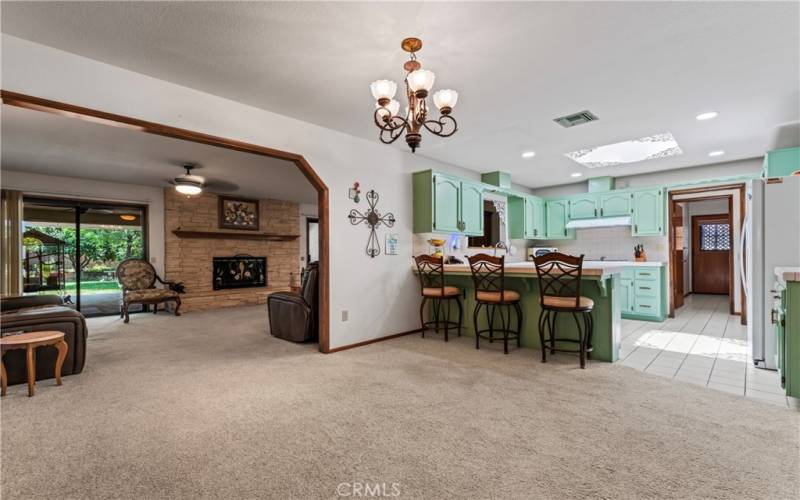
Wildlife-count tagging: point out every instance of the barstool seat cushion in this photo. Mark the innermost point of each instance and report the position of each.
(508, 296)
(567, 302)
(449, 291)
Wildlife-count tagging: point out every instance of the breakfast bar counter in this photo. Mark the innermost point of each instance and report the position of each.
(600, 282)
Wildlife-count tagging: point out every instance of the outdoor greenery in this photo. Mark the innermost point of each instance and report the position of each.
(101, 249)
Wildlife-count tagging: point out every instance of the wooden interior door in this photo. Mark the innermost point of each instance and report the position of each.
(711, 253)
(678, 257)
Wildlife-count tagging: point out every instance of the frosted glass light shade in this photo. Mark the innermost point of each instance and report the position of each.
(383, 89)
(188, 189)
(421, 79)
(445, 98)
(392, 108)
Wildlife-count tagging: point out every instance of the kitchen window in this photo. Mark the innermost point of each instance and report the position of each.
(715, 237)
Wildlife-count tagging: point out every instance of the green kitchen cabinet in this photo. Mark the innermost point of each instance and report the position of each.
(643, 293)
(471, 208)
(789, 349)
(526, 217)
(615, 204)
(446, 193)
(781, 162)
(538, 223)
(557, 216)
(626, 295)
(583, 207)
(648, 212)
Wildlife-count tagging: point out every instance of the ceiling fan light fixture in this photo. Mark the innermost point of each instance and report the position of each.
(189, 184)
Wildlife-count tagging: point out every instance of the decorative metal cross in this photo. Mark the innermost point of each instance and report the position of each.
(373, 219)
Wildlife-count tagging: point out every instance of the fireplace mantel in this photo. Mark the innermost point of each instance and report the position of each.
(225, 235)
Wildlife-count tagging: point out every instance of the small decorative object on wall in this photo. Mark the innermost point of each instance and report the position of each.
(354, 192)
(373, 219)
(238, 213)
(391, 243)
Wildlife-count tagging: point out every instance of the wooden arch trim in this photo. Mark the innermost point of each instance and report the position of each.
(97, 116)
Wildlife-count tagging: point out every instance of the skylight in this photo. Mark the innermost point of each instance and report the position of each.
(622, 153)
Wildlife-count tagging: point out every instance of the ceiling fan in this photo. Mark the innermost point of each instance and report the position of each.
(190, 184)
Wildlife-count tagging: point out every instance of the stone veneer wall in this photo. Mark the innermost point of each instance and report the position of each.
(190, 259)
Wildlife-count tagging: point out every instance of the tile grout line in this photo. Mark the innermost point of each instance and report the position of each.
(714, 364)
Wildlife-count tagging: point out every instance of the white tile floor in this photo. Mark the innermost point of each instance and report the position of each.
(702, 345)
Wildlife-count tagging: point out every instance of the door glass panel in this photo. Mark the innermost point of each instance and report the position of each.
(313, 241)
(108, 235)
(715, 237)
(48, 251)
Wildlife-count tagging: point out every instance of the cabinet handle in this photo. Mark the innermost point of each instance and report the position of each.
(644, 306)
(644, 274)
(644, 288)
(772, 317)
(636, 228)
(601, 212)
(595, 212)
(536, 232)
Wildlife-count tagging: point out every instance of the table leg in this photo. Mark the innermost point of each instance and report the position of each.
(30, 353)
(62, 354)
(4, 375)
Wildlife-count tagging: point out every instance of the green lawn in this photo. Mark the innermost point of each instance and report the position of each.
(93, 287)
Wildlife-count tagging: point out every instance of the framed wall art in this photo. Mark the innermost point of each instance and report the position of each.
(238, 213)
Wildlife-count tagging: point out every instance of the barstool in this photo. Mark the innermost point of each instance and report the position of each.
(488, 275)
(560, 292)
(431, 278)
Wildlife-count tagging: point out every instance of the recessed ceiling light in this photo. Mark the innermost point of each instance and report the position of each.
(707, 115)
(576, 174)
(622, 153)
(718, 152)
(529, 154)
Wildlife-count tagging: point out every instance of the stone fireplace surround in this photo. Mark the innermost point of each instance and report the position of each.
(190, 260)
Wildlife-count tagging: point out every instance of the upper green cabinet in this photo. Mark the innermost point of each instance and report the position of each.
(446, 204)
(583, 207)
(781, 162)
(526, 217)
(615, 204)
(471, 208)
(557, 216)
(648, 212)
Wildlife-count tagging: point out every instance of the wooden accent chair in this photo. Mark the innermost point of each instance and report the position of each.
(488, 275)
(138, 278)
(431, 279)
(560, 292)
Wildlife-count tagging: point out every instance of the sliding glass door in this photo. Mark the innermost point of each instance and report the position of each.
(73, 248)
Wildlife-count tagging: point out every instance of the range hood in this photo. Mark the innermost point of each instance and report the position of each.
(599, 222)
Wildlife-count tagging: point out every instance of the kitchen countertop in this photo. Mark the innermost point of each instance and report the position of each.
(788, 273)
(625, 263)
(596, 269)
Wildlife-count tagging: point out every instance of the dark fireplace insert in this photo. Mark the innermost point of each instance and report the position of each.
(239, 271)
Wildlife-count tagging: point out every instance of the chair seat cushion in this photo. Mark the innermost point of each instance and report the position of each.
(567, 302)
(508, 296)
(149, 294)
(449, 291)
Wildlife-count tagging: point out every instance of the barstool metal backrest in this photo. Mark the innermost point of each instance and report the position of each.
(431, 272)
(488, 273)
(559, 276)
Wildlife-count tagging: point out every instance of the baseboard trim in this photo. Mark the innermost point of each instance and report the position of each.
(372, 341)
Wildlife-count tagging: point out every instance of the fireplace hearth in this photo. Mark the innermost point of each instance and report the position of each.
(239, 271)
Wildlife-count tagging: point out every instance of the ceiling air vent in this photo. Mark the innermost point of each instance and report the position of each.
(576, 119)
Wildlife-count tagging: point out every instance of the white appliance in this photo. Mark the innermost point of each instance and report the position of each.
(770, 238)
(538, 251)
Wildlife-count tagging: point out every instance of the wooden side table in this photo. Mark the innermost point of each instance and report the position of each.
(30, 341)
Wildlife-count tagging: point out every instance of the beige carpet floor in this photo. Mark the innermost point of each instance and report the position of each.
(209, 406)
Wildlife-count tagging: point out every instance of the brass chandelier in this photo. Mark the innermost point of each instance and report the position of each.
(418, 83)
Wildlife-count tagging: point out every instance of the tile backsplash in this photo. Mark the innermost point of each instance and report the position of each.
(610, 242)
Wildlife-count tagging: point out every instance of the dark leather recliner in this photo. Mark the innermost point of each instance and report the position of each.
(295, 316)
(38, 313)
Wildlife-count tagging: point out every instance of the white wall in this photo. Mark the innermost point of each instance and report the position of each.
(69, 187)
(380, 294)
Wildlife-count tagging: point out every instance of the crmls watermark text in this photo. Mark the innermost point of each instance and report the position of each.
(358, 489)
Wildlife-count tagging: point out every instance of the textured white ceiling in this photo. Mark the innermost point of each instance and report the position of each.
(642, 67)
(44, 143)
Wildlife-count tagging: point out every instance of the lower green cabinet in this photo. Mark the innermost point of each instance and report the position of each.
(789, 338)
(556, 217)
(642, 293)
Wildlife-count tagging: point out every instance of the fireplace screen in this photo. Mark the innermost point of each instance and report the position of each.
(241, 271)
